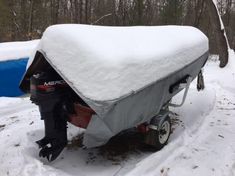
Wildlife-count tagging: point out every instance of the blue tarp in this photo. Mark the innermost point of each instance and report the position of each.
(11, 73)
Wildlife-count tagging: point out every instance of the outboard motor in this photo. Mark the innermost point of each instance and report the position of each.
(51, 93)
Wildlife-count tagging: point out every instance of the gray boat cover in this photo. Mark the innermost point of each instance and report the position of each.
(122, 73)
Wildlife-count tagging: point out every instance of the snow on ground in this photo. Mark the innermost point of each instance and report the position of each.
(17, 50)
(202, 142)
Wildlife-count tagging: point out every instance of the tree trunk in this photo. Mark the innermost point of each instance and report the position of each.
(221, 42)
(76, 11)
(86, 11)
(81, 11)
(30, 27)
(140, 12)
(199, 12)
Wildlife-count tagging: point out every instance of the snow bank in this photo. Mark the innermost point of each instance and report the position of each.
(106, 63)
(16, 50)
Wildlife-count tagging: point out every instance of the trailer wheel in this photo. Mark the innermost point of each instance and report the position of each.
(159, 138)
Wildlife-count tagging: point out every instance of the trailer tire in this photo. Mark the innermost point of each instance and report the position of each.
(159, 138)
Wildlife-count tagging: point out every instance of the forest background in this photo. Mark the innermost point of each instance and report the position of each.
(27, 19)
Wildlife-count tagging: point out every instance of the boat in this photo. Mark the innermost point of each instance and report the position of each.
(110, 79)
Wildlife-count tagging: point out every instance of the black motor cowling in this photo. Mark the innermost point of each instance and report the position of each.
(51, 93)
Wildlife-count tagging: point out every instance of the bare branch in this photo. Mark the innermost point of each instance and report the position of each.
(101, 18)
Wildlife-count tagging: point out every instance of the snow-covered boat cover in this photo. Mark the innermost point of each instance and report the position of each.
(106, 63)
(122, 73)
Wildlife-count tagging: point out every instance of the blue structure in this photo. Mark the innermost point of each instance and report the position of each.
(11, 73)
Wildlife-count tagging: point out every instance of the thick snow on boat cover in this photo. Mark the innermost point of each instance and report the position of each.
(123, 73)
(106, 63)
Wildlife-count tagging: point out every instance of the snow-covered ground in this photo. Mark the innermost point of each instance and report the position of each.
(202, 142)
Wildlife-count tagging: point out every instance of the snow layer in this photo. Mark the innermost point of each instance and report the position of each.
(17, 50)
(105, 63)
(202, 142)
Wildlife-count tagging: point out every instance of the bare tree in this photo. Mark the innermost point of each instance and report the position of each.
(220, 39)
